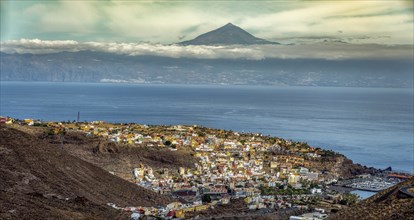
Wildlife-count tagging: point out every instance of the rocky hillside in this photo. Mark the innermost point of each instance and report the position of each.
(388, 204)
(40, 180)
(121, 159)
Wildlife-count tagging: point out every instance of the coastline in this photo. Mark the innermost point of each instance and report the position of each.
(188, 163)
(290, 113)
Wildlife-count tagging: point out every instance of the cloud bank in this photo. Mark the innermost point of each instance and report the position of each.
(328, 50)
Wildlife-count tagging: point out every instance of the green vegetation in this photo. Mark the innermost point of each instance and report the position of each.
(201, 134)
(281, 190)
(206, 198)
(349, 199)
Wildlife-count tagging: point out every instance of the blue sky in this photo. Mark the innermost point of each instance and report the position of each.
(361, 22)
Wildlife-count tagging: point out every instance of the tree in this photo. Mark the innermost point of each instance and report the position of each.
(206, 198)
(349, 199)
(201, 134)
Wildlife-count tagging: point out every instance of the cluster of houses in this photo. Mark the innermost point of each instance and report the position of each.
(173, 210)
(7, 120)
(226, 168)
(229, 165)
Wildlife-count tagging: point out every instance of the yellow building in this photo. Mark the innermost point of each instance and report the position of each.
(179, 214)
(182, 171)
(293, 179)
(201, 208)
(188, 209)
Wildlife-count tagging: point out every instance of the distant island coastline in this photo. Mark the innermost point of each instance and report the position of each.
(227, 55)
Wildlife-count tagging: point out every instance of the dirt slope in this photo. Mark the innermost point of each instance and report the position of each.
(387, 204)
(121, 158)
(39, 180)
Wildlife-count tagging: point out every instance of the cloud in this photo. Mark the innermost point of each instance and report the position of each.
(36, 46)
(165, 21)
(353, 18)
(76, 17)
(327, 50)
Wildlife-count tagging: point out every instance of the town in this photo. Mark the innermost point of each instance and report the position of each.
(267, 173)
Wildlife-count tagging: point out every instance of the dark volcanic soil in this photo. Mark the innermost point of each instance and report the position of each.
(40, 180)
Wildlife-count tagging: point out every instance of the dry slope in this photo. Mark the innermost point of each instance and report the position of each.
(39, 180)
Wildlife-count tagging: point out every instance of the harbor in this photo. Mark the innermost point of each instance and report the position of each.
(369, 183)
(375, 184)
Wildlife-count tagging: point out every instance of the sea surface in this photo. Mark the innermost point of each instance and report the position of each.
(372, 126)
(363, 194)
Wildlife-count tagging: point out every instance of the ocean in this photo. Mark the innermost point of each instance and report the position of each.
(371, 126)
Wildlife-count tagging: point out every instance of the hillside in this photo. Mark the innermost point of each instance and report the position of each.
(43, 179)
(388, 204)
(40, 180)
(122, 159)
(83, 66)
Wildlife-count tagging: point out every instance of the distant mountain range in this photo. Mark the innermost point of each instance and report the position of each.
(229, 34)
(94, 66)
(88, 66)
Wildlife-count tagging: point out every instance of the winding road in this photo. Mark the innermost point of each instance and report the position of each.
(406, 191)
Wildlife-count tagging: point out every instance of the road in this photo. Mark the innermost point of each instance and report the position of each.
(406, 192)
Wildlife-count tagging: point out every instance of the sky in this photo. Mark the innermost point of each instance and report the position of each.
(370, 21)
(306, 29)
